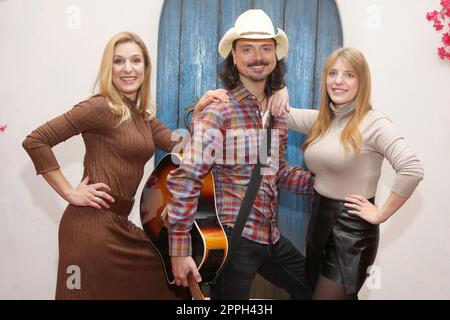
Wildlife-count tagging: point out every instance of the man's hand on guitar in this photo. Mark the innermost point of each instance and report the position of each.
(181, 266)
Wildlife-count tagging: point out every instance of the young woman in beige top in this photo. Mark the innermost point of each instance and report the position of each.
(346, 144)
(113, 258)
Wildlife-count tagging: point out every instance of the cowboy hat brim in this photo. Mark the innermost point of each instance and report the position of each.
(231, 35)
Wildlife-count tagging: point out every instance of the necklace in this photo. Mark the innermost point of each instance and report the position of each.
(261, 104)
(262, 100)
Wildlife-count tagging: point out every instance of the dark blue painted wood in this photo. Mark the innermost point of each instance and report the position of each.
(274, 9)
(189, 64)
(167, 94)
(198, 51)
(230, 10)
(300, 25)
(329, 38)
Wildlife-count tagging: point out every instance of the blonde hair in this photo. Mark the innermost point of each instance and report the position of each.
(350, 136)
(116, 102)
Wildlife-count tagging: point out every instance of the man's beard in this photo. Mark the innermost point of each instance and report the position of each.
(256, 78)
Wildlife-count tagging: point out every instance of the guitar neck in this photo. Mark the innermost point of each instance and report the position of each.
(194, 287)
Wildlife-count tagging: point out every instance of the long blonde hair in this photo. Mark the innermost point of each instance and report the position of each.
(115, 99)
(350, 136)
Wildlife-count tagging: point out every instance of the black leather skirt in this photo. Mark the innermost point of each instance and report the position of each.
(340, 246)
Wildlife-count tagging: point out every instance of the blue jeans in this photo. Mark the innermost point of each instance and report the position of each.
(282, 264)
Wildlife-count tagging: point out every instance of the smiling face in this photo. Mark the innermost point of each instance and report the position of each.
(342, 83)
(255, 59)
(128, 69)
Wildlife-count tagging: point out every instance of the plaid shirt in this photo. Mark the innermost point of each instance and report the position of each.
(240, 115)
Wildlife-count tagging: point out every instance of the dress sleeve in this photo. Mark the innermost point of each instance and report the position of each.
(92, 114)
(165, 139)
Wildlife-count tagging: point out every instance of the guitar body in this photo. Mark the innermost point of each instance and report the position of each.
(209, 242)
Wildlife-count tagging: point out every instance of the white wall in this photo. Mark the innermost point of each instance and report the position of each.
(48, 64)
(410, 85)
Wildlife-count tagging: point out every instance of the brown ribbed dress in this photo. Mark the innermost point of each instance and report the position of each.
(115, 258)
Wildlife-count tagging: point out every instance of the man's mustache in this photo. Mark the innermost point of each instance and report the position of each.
(258, 63)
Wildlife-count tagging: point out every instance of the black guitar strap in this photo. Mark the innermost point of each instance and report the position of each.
(249, 198)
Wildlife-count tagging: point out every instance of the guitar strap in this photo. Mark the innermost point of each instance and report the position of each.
(249, 198)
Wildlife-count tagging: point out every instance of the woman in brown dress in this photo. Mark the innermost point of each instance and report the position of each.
(102, 255)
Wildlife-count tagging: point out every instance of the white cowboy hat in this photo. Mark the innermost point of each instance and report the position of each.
(254, 24)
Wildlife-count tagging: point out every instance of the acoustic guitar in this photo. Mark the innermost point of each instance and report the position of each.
(209, 241)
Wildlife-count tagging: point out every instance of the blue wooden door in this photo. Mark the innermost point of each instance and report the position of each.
(189, 65)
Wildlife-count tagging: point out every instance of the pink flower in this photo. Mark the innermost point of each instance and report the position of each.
(439, 19)
(3, 128)
(432, 15)
(443, 54)
(446, 39)
(445, 4)
(438, 25)
(445, 8)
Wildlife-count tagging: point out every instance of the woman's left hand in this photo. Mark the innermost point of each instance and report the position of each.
(363, 208)
(213, 96)
(209, 97)
(279, 102)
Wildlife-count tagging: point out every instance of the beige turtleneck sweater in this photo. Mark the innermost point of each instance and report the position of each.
(340, 174)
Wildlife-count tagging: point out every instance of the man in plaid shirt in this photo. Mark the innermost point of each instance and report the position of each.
(253, 70)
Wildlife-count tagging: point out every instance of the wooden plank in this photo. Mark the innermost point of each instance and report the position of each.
(274, 10)
(168, 65)
(229, 11)
(300, 26)
(329, 38)
(198, 51)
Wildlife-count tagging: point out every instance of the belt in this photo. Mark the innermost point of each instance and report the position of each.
(122, 206)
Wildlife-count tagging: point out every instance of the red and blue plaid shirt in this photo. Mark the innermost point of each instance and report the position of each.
(239, 116)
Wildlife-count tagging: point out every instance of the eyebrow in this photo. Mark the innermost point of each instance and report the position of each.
(252, 46)
(351, 71)
(119, 56)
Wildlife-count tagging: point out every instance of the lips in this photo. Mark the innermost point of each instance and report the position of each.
(339, 91)
(258, 68)
(128, 79)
